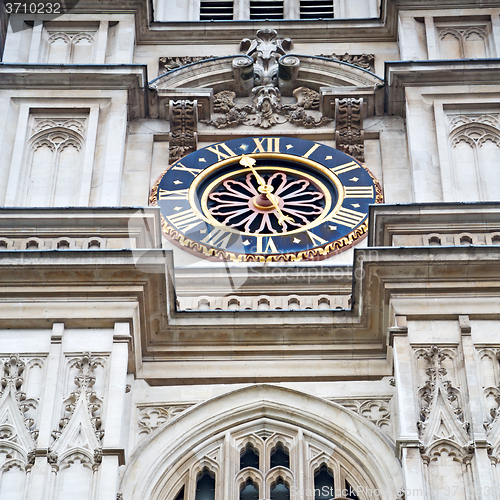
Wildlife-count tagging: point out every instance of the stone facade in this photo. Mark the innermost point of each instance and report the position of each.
(131, 369)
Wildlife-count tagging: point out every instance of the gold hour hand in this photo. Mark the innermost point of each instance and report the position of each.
(249, 162)
(264, 188)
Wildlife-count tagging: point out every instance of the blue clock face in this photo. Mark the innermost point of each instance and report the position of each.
(266, 199)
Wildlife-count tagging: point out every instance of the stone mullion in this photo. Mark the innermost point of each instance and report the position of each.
(229, 455)
(407, 436)
(301, 469)
(112, 420)
(39, 480)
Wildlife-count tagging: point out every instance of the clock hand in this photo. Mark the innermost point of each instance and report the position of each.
(264, 188)
(246, 161)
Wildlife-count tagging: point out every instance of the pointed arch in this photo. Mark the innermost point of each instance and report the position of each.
(155, 466)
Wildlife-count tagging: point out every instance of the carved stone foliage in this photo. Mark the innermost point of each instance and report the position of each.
(365, 61)
(12, 384)
(267, 109)
(349, 135)
(80, 433)
(183, 136)
(18, 434)
(441, 420)
(84, 393)
(376, 410)
(153, 416)
(267, 94)
(166, 64)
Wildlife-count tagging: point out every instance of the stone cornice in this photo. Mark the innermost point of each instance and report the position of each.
(130, 77)
(386, 221)
(73, 76)
(51, 286)
(400, 75)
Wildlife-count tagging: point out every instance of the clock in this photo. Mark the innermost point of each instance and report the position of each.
(265, 199)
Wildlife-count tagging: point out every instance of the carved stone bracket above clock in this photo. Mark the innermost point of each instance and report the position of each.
(183, 136)
(349, 134)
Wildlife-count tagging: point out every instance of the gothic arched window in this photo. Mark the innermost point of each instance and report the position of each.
(205, 486)
(266, 461)
(324, 485)
(249, 457)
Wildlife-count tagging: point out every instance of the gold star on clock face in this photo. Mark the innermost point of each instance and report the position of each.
(266, 198)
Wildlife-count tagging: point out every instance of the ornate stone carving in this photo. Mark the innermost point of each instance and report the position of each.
(97, 459)
(265, 49)
(267, 109)
(349, 135)
(441, 414)
(377, 411)
(53, 460)
(267, 75)
(84, 381)
(166, 64)
(12, 379)
(365, 61)
(183, 136)
(74, 124)
(152, 417)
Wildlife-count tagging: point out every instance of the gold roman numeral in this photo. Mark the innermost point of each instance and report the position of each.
(185, 220)
(272, 145)
(217, 238)
(358, 191)
(311, 151)
(179, 194)
(221, 155)
(347, 217)
(270, 246)
(316, 239)
(340, 169)
(180, 166)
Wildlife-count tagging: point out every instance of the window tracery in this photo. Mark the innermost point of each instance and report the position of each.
(266, 462)
(54, 161)
(69, 46)
(475, 153)
(463, 42)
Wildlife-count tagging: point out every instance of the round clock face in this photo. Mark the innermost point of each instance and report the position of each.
(266, 199)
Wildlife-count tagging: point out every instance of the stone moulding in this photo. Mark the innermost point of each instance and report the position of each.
(331, 79)
(139, 287)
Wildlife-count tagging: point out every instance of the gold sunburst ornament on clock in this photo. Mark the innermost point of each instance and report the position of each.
(266, 199)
